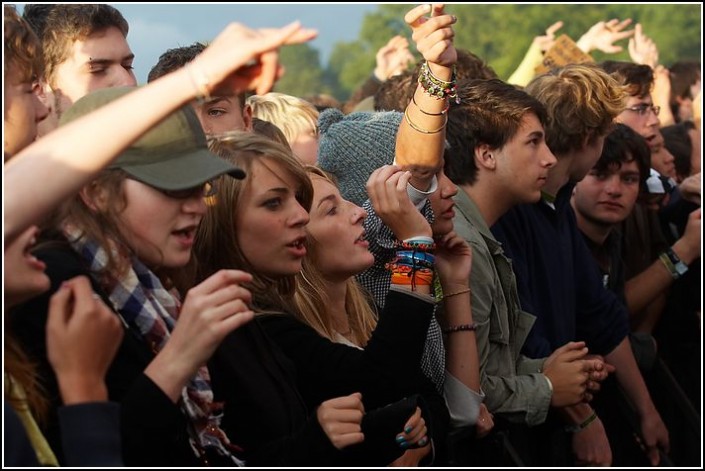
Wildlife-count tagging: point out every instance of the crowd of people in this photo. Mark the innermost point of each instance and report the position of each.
(446, 270)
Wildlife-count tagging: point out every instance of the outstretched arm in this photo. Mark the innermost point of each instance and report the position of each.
(63, 161)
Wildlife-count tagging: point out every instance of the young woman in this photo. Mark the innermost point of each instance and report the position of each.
(258, 225)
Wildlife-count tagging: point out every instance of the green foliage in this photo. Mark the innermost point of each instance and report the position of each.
(302, 71)
(500, 34)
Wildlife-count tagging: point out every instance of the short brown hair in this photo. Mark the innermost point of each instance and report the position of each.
(490, 112)
(59, 26)
(178, 57)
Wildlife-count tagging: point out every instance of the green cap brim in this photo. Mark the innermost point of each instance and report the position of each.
(185, 171)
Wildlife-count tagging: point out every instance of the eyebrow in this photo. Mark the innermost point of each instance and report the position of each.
(330, 197)
(105, 62)
(217, 99)
(534, 134)
(282, 190)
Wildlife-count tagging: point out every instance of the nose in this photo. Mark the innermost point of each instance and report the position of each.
(299, 216)
(195, 204)
(125, 77)
(652, 120)
(549, 160)
(358, 214)
(614, 185)
(446, 186)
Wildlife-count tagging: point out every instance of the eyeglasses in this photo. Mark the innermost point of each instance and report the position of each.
(207, 189)
(644, 108)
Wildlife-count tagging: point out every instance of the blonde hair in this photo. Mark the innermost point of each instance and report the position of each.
(216, 247)
(292, 115)
(581, 101)
(20, 371)
(311, 300)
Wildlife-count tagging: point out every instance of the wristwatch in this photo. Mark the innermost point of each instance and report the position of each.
(673, 263)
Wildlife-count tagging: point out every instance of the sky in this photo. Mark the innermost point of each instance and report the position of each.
(154, 28)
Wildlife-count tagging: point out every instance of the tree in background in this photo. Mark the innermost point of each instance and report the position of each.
(500, 34)
(303, 74)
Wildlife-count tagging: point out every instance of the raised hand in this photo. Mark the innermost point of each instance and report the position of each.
(603, 34)
(546, 41)
(568, 374)
(210, 311)
(393, 58)
(642, 49)
(433, 35)
(83, 335)
(242, 59)
(340, 419)
(386, 188)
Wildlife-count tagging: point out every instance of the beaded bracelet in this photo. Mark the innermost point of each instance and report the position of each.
(411, 244)
(420, 277)
(460, 328)
(435, 87)
(444, 111)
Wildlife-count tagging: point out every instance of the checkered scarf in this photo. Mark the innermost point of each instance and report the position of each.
(377, 280)
(144, 303)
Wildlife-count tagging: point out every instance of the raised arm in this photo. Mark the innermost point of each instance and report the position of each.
(63, 161)
(421, 139)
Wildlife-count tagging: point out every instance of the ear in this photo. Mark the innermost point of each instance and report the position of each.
(94, 197)
(484, 157)
(247, 117)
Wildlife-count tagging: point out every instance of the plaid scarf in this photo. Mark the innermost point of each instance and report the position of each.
(144, 303)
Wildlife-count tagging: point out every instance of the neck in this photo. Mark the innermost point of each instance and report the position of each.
(491, 200)
(559, 175)
(335, 309)
(593, 230)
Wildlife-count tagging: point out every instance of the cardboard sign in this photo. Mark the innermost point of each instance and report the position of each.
(563, 52)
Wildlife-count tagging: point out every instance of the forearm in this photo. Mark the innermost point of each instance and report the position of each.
(641, 290)
(63, 161)
(629, 377)
(421, 138)
(525, 71)
(462, 360)
(644, 288)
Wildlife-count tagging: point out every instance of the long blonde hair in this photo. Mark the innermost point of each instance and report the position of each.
(311, 300)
